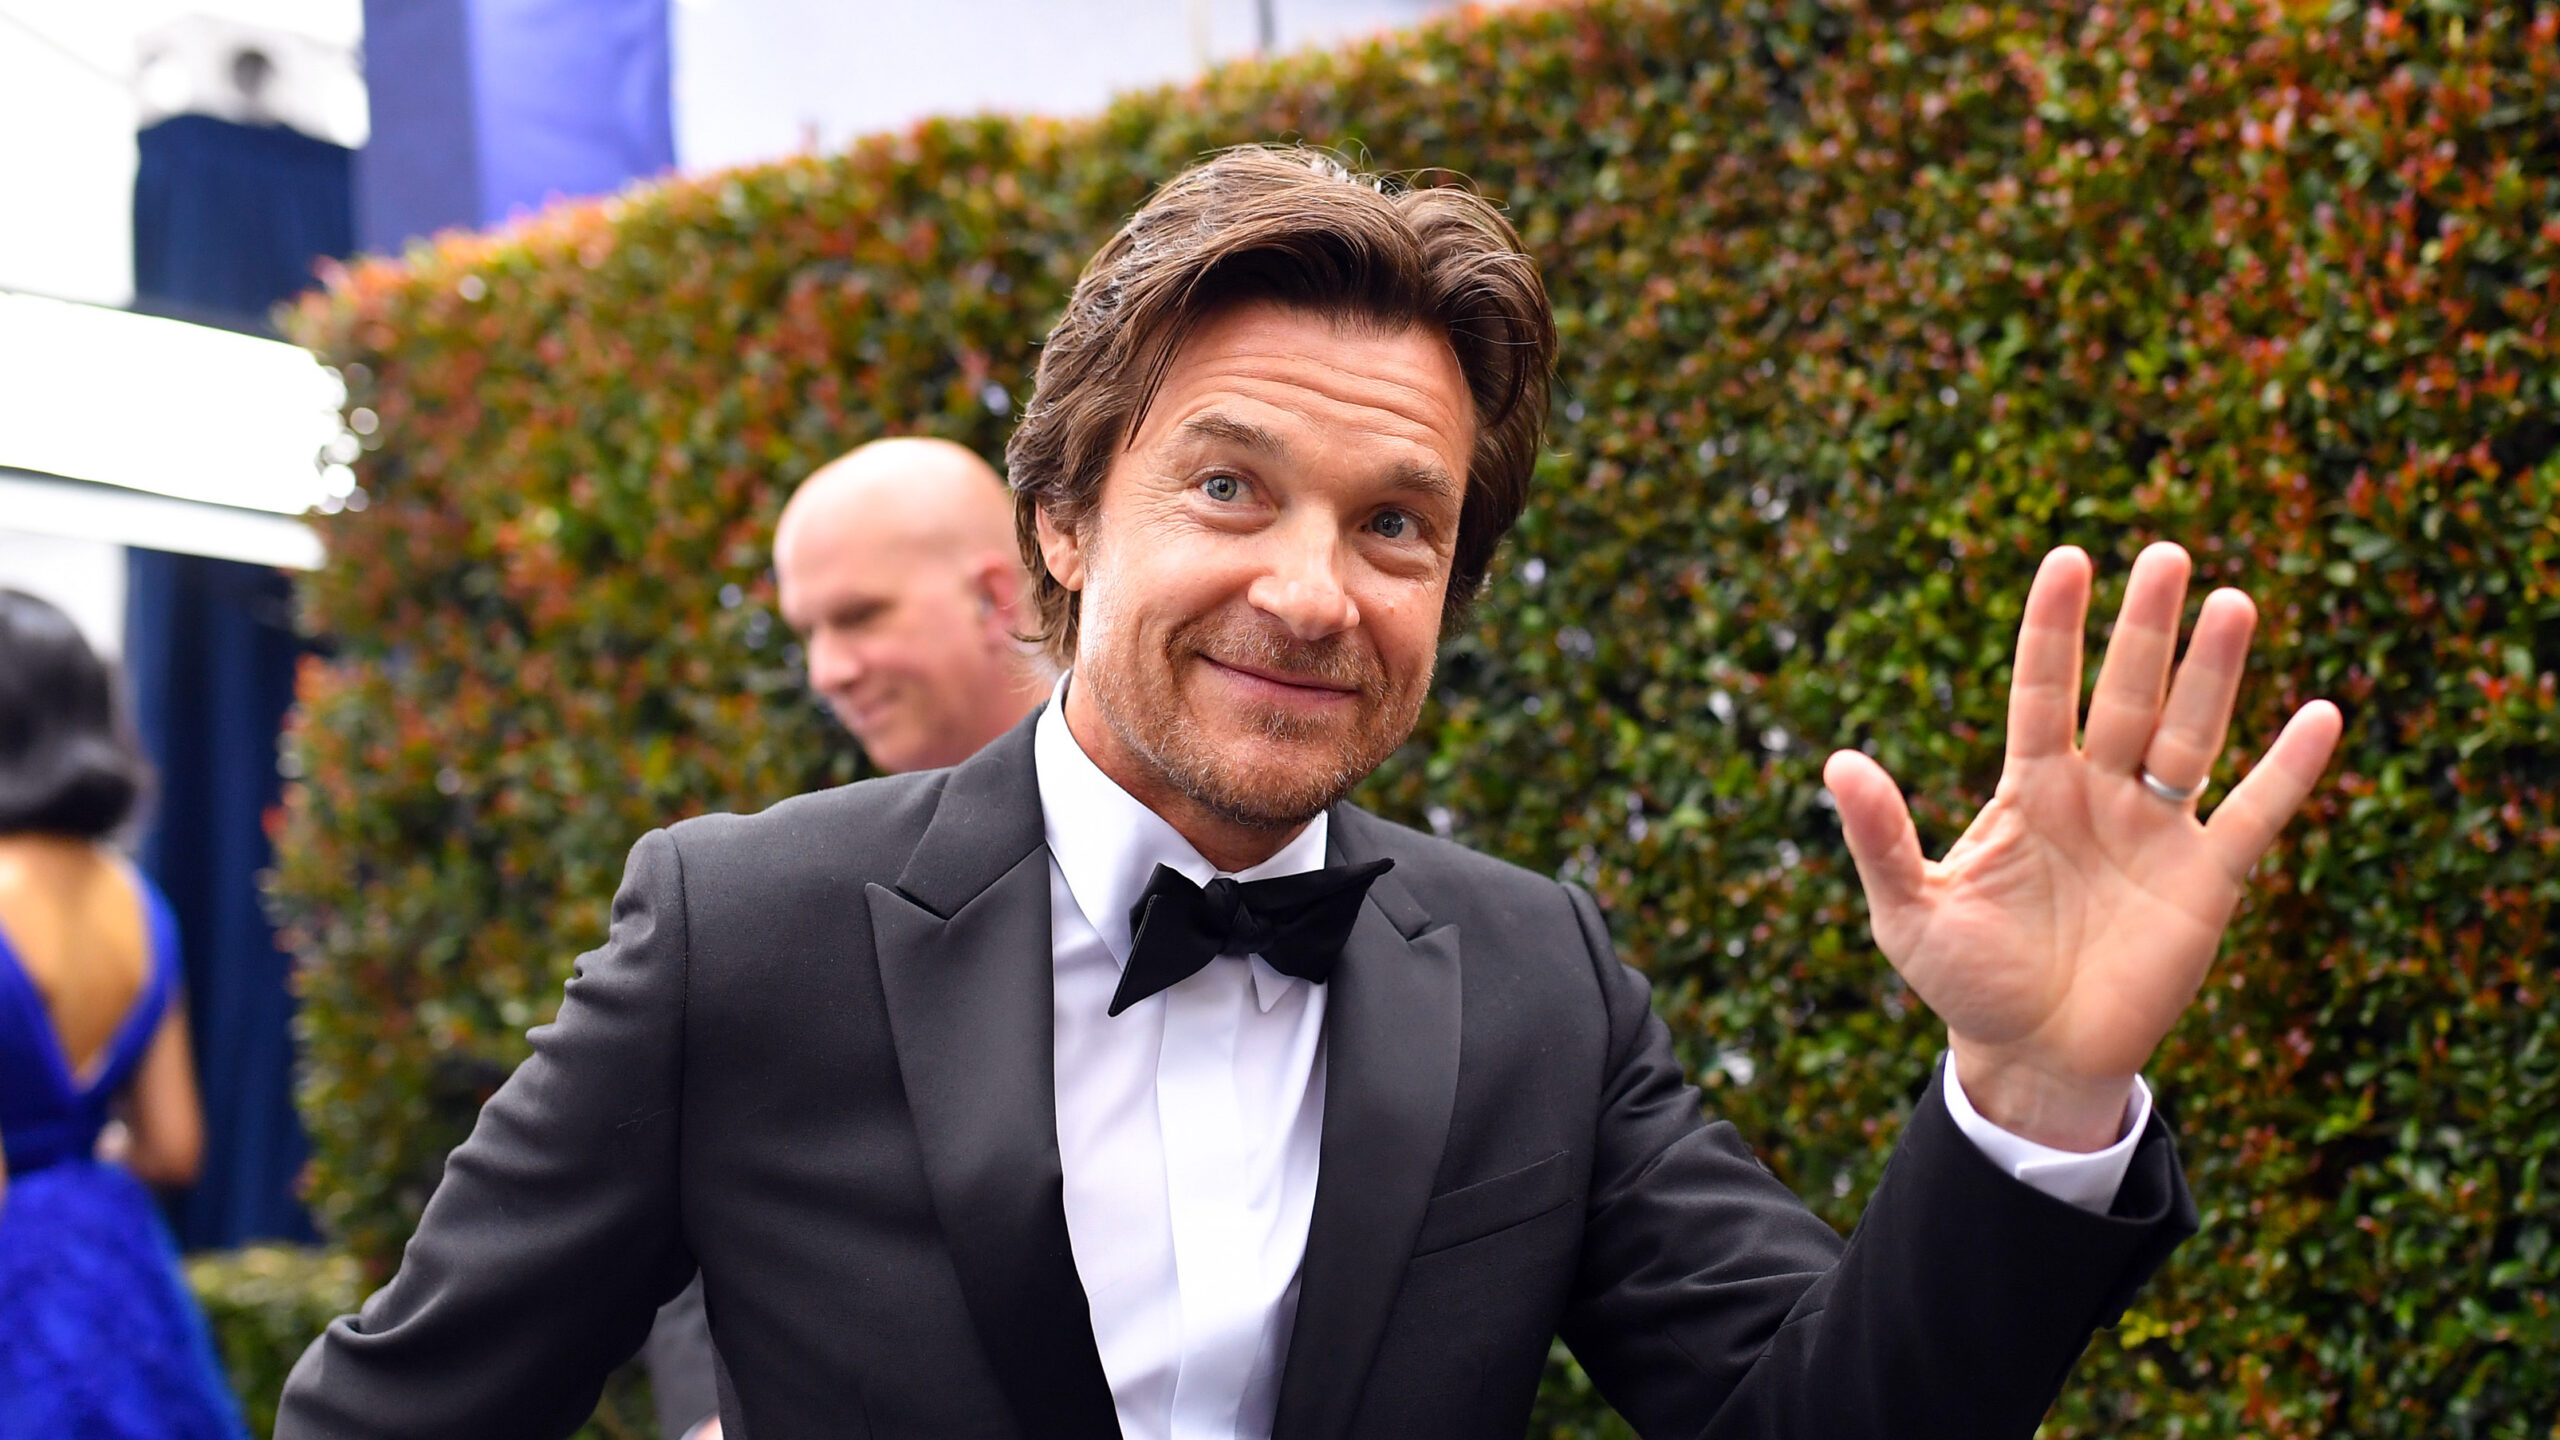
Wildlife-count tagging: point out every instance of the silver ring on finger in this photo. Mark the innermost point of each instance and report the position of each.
(2174, 794)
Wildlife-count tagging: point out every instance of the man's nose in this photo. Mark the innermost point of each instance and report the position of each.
(833, 663)
(1304, 589)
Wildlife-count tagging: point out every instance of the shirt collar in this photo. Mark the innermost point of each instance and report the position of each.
(1107, 844)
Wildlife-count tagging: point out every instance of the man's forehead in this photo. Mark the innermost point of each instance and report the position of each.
(835, 566)
(1297, 361)
(1392, 349)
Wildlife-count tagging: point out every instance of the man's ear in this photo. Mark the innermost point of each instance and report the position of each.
(1061, 550)
(999, 584)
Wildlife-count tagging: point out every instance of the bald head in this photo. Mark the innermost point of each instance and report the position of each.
(898, 569)
(922, 491)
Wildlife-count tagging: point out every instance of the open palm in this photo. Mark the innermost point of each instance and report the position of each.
(2062, 935)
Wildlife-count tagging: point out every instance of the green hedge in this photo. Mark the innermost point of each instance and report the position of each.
(265, 1305)
(1863, 307)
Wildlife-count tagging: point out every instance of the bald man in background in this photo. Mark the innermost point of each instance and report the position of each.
(899, 572)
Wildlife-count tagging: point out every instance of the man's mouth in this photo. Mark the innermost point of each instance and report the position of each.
(860, 716)
(1285, 685)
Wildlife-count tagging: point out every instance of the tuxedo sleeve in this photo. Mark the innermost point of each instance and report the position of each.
(1711, 1303)
(553, 1236)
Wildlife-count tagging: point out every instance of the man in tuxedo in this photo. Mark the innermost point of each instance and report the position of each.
(1125, 1080)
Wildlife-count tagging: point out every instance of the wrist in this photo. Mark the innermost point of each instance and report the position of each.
(2079, 1113)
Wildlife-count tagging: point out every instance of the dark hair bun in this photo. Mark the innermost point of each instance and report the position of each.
(68, 764)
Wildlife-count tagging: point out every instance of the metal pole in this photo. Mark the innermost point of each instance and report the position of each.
(1198, 13)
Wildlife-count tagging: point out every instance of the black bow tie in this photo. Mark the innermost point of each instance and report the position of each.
(1296, 923)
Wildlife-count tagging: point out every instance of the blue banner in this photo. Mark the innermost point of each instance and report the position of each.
(485, 109)
(572, 99)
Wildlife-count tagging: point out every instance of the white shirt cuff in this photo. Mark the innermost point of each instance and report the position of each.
(2089, 1181)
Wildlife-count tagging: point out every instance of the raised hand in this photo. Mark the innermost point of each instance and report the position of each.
(2066, 930)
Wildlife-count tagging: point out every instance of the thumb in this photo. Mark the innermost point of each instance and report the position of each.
(1877, 825)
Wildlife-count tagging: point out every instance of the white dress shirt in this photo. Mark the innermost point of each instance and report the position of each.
(1189, 1125)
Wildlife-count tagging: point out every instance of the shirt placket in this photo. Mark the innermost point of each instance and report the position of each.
(1208, 1173)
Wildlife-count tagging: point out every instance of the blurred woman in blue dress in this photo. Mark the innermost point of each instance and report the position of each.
(99, 1338)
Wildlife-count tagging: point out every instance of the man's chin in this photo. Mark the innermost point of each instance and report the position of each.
(1271, 783)
(890, 747)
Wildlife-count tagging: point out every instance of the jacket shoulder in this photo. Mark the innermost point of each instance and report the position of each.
(868, 828)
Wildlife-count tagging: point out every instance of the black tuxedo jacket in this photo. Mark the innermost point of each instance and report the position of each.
(813, 1058)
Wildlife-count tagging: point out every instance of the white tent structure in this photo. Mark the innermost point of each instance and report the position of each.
(120, 430)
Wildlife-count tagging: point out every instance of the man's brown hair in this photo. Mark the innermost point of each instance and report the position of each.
(1299, 228)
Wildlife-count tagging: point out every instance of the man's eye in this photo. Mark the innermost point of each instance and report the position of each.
(1392, 524)
(1222, 487)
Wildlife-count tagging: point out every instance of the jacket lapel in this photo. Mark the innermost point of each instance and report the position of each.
(965, 965)
(1391, 1078)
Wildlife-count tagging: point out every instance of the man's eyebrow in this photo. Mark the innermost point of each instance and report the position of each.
(1418, 478)
(1217, 425)
(1411, 476)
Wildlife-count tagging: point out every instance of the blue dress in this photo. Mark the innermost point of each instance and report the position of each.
(99, 1338)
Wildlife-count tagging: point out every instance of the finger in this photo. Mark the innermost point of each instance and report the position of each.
(2126, 705)
(2044, 685)
(2197, 718)
(1877, 825)
(2247, 821)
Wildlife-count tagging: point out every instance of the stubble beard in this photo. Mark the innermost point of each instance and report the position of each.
(1319, 762)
